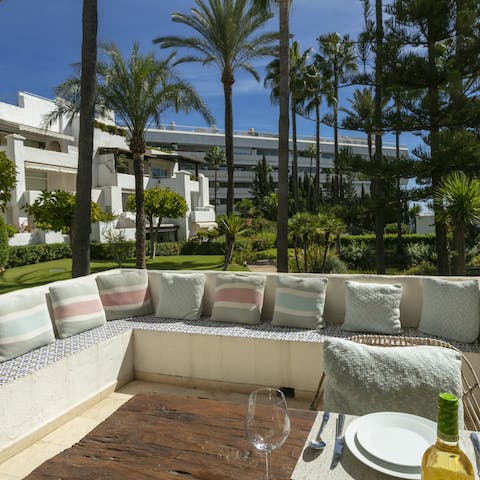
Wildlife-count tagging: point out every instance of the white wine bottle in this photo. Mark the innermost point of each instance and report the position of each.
(445, 460)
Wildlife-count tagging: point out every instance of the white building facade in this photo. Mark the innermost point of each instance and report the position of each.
(249, 148)
(46, 159)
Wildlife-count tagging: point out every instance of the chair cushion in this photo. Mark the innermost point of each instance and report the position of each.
(25, 323)
(125, 294)
(372, 307)
(76, 307)
(180, 295)
(451, 309)
(363, 379)
(238, 298)
(299, 302)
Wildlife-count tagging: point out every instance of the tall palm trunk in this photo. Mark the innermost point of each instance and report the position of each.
(379, 183)
(317, 151)
(458, 243)
(137, 148)
(295, 156)
(399, 192)
(228, 80)
(82, 214)
(215, 189)
(335, 135)
(283, 130)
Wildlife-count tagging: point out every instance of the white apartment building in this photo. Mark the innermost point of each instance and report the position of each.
(46, 159)
(249, 147)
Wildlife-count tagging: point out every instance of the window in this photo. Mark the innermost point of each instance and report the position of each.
(125, 195)
(35, 180)
(122, 164)
(159, 172)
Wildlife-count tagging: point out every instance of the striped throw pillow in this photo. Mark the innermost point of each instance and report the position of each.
(125, 294)
(299, 302)
(76, 307)
(238, 298)
(24, 324)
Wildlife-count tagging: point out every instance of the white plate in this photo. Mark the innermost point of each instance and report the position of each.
(398, 438)
(408, 473)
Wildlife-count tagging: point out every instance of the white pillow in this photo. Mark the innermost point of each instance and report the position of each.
(299, 302)
(180, 295)
(363, 379)
(372, 307)
(451, 309)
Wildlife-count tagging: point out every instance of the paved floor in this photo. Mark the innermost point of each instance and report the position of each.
(18, 466)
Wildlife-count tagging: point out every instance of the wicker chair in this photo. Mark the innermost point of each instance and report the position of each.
(470, 382)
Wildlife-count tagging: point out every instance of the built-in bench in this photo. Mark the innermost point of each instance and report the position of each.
(42, 388)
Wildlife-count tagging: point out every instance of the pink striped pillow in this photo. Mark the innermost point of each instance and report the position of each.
(238, 298)
(76, 307)
(125, 294)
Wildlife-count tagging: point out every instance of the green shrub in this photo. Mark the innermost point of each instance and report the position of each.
(335, 265)
(392, 228)
(358, 255)
(423, 268)
(4, 248)
(418, 253)
(103, 251)
(270, 254)
(264, 241)
(203, 248)
(11, 230)
(167, 249)
(30, 254)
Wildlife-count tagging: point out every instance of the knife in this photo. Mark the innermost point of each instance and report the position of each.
(339, 441)
(476, 446)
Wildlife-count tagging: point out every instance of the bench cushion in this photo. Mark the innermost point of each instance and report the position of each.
(76, 306)
(180, 295)
(372, 307)
(451, 309)
(24, 323)
(238, 298)
(299, 302)
(362, 379)
(125, 294)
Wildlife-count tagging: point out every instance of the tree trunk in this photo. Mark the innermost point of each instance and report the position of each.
(228, 81)
(336, 193)
(82, 212)
(379, 183)
(283, 130)
(229, 246)
(152, 240)
(317, 152)
(295, 157)
(215, 191)
(155, 236)
(458, 242)
(140, 240)
(399, 192)
(325, 252)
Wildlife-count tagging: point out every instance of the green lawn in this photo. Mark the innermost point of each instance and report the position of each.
(40, 273)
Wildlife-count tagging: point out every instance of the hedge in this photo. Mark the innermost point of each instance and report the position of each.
(29, 254)
(193, 247)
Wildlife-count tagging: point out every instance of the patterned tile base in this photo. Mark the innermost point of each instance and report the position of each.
(61, 348)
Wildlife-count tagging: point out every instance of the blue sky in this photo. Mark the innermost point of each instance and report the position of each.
(42, 38)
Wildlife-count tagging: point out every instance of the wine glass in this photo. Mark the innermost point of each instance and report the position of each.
(267, 423)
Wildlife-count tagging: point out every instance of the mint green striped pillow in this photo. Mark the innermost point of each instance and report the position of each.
(299, 302)
(24, 324)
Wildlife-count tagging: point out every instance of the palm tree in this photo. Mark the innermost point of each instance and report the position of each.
(336, 56)
(329, 225)
(360, 116)
(303, 227)
(82, 213)
(316, 81)
(138, 90)
(297, 72)
(459, 196)
(283, 128)
(215, 158)
(230, 225)
(227, 38)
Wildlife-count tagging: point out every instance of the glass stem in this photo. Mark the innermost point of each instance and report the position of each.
(267, 465)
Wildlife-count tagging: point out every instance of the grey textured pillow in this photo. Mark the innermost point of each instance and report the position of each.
(372, 307)
(451, 309)
(299, 302)
(180, 295)
(363, 379)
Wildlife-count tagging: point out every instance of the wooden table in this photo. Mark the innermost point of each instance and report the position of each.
(166, 437)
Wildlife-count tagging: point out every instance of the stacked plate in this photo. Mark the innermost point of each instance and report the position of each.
(391, 442)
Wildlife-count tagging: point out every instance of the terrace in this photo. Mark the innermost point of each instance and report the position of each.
(80, 380)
